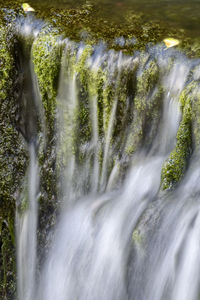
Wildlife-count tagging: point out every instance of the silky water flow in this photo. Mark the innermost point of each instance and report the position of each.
(118, 236)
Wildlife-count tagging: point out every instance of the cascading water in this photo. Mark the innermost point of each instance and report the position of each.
(26, 233)
(118, 236)
(171, 269)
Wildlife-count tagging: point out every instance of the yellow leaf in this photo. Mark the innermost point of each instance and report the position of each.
(170, 42)
(26, 7)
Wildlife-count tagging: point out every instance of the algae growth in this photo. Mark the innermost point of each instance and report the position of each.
(174, 167)
(147, 105)
(46, 53)
(12, 164)
(138, 87)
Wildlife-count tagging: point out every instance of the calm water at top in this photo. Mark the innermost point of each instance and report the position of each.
(184, 14)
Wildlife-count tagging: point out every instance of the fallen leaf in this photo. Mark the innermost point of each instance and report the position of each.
(26, 7)
(170, 42)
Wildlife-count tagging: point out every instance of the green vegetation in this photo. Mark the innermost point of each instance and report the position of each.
(46, 52)
(137, 237)
(187, 139)
(46, 56)
(147, 105)
(136, 88)
(86, 23)
(12, 165)
(174, 167)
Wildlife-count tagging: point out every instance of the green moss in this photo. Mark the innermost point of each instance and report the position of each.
(174, 167)
(85, 22)
(81, 67)
(90, 85)
(96, 88)
(68, 110)
(83, 79)
(147, 81)
(108, 99)
(46, 52)
(13, 158)
(188, 137)
(147, 103)
(195, 94)
(6, 64)
(124, 77)
(137, 237)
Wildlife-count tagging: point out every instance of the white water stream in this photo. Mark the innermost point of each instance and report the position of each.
(89, 257)
(26, 225)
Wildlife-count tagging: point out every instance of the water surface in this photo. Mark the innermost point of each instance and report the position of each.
(181, 14)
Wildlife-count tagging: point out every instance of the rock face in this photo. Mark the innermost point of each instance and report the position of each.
(13, 158)
(30, 63)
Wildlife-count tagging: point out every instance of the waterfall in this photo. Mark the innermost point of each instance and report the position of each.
(127, 176)
(171, 269)
(26, 223)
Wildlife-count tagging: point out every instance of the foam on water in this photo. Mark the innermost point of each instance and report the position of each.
(106, 191)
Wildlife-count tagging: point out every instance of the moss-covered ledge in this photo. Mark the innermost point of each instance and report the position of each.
(187, 139)
(86, 23)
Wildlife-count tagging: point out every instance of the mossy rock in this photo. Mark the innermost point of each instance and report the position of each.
(174, 167)
(86, 23)
(46, 53)
(13, 159)
(83, 23)
(147, 105)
